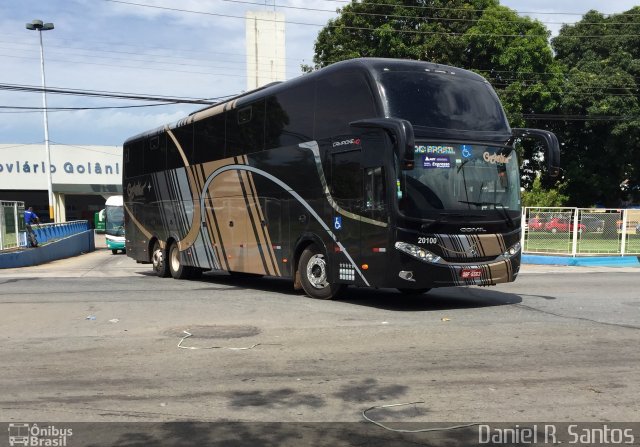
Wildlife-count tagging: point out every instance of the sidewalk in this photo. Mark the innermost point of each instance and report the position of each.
(583, 261)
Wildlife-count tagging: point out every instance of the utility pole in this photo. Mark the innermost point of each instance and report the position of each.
(37, 25)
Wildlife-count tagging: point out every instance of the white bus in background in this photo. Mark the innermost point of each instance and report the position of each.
(114, 224)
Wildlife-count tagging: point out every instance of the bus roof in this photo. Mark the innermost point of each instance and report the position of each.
(372, 66)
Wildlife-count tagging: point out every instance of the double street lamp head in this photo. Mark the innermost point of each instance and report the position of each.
(39, 26)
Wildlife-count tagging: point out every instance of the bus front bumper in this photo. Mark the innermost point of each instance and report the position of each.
(115, 242)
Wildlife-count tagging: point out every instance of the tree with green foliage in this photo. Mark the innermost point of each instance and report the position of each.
(511, 52)
(539, 196)
(601, 101)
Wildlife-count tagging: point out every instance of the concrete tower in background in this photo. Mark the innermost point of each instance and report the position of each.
(265, 48)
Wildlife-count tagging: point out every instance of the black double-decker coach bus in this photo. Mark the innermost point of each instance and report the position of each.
(369, 172)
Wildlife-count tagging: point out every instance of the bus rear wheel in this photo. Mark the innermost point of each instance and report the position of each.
(313, 274)
(176, 267)
(158, 260)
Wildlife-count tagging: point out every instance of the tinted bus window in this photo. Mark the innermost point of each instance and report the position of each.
(209, 139)
(245, 129)
(184, 135)
(443, 101)
(341, 98)
(346, 180)
(290, 117)
(133, 159)
(155, 153)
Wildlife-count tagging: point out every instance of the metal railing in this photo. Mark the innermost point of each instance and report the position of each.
(50, 232)
(13, 231)
(11, 224)
(581, 231)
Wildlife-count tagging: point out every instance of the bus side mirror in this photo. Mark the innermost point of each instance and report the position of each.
(552, 153)
(400, 130)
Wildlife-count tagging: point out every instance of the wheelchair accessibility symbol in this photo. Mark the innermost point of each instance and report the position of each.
(337, 223)
(466, 151)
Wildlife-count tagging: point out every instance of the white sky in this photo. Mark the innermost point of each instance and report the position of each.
(109, 46)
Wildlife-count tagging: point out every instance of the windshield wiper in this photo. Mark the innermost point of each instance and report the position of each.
(505, 213)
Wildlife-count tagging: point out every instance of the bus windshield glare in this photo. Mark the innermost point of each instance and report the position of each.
(459, 177)
(443, 101)
(114, 222)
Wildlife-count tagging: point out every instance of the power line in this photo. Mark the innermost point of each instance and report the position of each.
(441, 8)
(280, 6)
(146, 61)
(69, 109)
(80, 52)
(209, 73)
(554, 117)
(356, 28)
(113, 95)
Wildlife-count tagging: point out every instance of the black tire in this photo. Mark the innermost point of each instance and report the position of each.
(158, 260)
(313, 274)
(413, 291)
(114, 251)
(177, 269)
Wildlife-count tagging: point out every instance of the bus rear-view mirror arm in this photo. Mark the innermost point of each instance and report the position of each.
(400, 130)
(552, 153)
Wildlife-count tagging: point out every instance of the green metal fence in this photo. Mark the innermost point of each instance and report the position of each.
(581, 231)
(11, 224)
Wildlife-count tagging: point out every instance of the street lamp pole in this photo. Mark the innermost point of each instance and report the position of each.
(37, 25)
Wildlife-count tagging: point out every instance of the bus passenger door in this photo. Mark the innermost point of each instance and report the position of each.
(346, 189)
(374, 229)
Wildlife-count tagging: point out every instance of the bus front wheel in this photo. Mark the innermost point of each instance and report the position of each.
(313, 274)
(158, 260)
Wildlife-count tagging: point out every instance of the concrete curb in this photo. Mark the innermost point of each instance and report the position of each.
(587, 261)
(63, 248)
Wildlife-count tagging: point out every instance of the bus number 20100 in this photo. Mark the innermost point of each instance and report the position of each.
(427, 240)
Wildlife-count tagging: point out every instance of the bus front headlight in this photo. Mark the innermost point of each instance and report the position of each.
(515, 248)
(417, 252)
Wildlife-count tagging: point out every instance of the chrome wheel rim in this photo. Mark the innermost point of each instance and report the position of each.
(317, 272)
(157, 259)
(174, 258)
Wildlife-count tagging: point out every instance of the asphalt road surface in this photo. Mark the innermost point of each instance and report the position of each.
(95, 338)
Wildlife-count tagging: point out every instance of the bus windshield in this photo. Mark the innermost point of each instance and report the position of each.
(114, 220)
(459, 177)
(443, 101)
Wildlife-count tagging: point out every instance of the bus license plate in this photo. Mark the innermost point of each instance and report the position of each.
(470, 273)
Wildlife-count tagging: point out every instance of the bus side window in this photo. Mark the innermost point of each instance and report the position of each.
(134, 156)
(375, 193)
(209, 139)
(346, 180)
(290, 117)
(245, 129)
(154, 158)
(184, 135)
(341, 99)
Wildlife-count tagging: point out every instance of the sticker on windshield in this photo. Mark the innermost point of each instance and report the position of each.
(433, 149)
(496, 158)
(467, 151)
(441, 161)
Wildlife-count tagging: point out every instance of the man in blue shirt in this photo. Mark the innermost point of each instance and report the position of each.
(29, 218)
